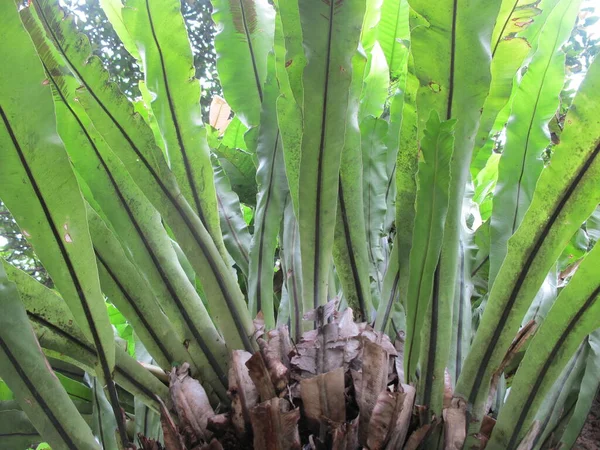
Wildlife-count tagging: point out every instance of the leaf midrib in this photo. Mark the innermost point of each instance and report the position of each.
(212, 263)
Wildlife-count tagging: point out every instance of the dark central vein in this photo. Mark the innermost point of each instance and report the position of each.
(166, 192)
(133, 305)
(461, 294)
(547, 364)
(452, 61)
(88, 349)
(501, 323)
(414, 332)
(263, 226)
(251, 49)
(155, 260)
(316, 287)
(186, 163)
(504, 25)
(432, 349)
(232, 230)
(99, 413)
(89, 317)
(351, 253)
(529, 129)
(390, 302)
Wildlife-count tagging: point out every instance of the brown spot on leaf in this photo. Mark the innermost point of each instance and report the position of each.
(243, 13)
(435, 87)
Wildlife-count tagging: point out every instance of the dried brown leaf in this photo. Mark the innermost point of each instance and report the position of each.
(383, 418)
(399, 362)
(487, 426)
(323, 397)
(400, 430)
(418, 436)
(242, 391)
(212, 445)
(219, 423)
(455, 424)
(275, 426)
(191, 404)
(321, 314)
(345, 436)
(357, 382)
(260, 376)
(276, 350)
(517, 344)
(333, 345)
(171, 436)
(149, 444)
(373, 382)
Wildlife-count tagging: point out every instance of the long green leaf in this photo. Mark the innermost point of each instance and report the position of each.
(390, 296)
(350, 249)
(406, 189)
(586, 394)
(372, 16)
(565, 196)
(128, 291)
(57, 331)
(291, 62)
(235, 229)
(133, 142)
(139, 225)
(374, 162)
(37, 389)
(158, 29)
(244, 37)
(238, 164)
(270, 203)
(575, 314)
(461, 314)
(376, 83)
(448, 40)
(559, 403)
(103, 420)
(48, 205)
(433, 179)
(393, 35)
(393, 145)
(147, 421)
(527, 135)
(431, 205)
(114, 13)
(508, 54)
(291, 265)
(17, 431)
(507, 60)
(331, 34)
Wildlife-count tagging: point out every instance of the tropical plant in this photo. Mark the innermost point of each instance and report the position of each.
(384, 160)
